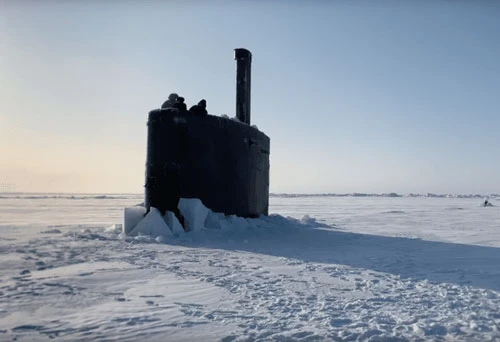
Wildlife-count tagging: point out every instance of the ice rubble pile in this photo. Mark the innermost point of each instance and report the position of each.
(196, 217)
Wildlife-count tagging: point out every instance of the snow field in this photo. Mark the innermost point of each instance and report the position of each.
(339, 274)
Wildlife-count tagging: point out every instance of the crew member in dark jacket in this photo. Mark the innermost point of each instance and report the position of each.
(171, 102)
(180, 105)
(200, 109)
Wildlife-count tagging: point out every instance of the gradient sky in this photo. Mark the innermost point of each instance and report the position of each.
(357, 96)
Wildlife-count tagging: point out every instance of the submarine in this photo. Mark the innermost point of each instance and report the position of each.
(222, 161)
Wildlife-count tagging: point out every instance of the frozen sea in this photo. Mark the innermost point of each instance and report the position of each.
(317, 269)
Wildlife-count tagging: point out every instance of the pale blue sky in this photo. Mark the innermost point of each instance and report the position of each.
(357, 96)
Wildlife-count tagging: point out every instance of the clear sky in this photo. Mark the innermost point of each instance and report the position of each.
(357, 96)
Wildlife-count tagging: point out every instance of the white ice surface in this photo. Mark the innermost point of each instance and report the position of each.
(356, 269)
(194, 212)
(173, 223)
(132, 216)
(152, 224)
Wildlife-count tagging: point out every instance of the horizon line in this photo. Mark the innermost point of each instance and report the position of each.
(276, 194)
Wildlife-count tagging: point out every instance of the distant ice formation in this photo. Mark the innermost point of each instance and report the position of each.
(391, 194)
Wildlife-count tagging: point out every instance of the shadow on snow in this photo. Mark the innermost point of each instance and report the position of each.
(439, 262)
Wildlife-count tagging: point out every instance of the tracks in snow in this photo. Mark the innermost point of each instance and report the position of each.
(90, 285)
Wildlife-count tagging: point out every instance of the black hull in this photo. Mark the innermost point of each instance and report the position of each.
(223, 162)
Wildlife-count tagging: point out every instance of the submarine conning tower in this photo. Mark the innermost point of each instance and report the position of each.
(224, 162)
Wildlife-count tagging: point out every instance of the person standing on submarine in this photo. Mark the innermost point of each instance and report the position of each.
(171, 102)
(180, 105)
(199, 109)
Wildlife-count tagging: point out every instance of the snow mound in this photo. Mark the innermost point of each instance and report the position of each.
(153, 224)
(194, 212)
(173, 223)
(114, 228)
(51, 231)
(131, 217)
(306, 219)
(214, 220)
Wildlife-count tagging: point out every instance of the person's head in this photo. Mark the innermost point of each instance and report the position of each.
(180, 99)
(202, 103)
(173, 97)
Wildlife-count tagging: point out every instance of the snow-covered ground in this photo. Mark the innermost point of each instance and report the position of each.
(357, 269)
